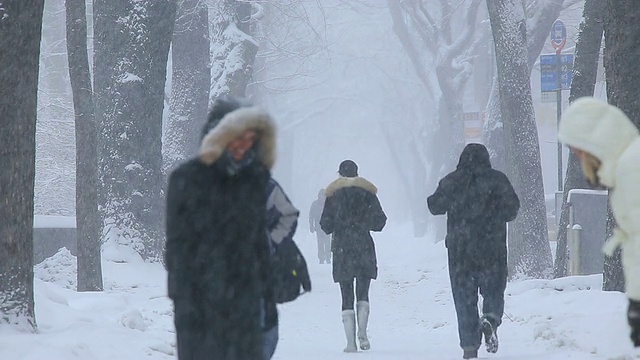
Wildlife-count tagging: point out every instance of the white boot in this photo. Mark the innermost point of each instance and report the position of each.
(363, 319)
(349, 322)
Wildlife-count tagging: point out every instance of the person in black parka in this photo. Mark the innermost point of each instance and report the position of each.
(478, 202)
(217, 252)
(350, 212)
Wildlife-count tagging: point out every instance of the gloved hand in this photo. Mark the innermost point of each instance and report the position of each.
(633, 316)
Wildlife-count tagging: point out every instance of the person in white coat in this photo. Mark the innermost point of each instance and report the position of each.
(608, 146)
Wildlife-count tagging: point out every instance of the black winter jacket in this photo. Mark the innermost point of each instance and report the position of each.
(350, 212)
(478, 201)
(217, 253)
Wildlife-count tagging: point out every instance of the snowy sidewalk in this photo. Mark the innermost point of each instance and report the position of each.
(412, 314)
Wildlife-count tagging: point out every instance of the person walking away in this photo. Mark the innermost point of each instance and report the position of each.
(478, 201)
(350, 212)
(217, 252)
(324, 240)
(608, 146)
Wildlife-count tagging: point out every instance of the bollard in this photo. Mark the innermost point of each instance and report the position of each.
(573, 243)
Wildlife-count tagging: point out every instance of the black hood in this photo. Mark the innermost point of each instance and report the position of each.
(474, 157)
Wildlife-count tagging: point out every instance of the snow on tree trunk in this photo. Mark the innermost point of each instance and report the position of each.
(131, 46)
(583, 84)
(493, 132)
(88, 222)
(621, 54)
(191, 76)
(529, 250)
(540, 19)
(233, 48)
(20, 33)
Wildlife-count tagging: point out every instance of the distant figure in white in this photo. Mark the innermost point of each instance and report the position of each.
(324, 240)
(350, 212)
(608, 146)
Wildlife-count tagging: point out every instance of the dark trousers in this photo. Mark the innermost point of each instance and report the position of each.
(362, 292)
(467, 278)
(324, 246)
(200, 337)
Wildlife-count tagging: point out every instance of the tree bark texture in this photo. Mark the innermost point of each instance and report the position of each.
(233, 47)
(612, 274)
(585, 69)
(20, 33)
(529, 250)
(88, 221)
(622, 48)
(131, 47)
(537, 33)
(191, 77)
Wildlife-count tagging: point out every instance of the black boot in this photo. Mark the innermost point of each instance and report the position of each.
(490, 335)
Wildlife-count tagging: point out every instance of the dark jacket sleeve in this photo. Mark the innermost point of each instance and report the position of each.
(439, 203)
(328, 217)
(378, 218)
(510, 203)
(177, 234)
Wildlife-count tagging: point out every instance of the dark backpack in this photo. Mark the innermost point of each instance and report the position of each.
(290, 274)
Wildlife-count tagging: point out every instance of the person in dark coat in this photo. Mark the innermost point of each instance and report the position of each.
(351, 211)
(217, 252)
(478, 202)
(324, 240)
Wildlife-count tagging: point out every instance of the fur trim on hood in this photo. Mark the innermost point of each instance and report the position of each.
(600, 129)
(233, 125)
(343, 182)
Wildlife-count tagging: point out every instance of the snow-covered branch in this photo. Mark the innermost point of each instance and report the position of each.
(467, 33)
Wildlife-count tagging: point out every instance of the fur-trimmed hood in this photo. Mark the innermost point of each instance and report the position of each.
(232, 125)
(343, 182)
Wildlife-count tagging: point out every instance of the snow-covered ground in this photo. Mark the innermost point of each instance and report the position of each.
(412, 315)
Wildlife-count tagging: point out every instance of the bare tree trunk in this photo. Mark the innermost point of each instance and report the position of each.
(233, 47)
(537, 33)
(585, 69)
(55, 139)
(429, 178)
(190, 81)
(621, 53)
(20, 33)
(131, 47)
(88, 223)
(432, 43)
(529, 251)
(412, 178)
(612, 274)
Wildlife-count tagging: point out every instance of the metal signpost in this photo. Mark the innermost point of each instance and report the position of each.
(556, 75)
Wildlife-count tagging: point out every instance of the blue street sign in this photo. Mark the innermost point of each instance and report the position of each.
(558, 33)
(548, 73)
